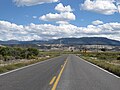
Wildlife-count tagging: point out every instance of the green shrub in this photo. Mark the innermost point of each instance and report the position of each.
(7, 58)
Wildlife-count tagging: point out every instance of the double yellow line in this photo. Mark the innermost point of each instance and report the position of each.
(58, 78)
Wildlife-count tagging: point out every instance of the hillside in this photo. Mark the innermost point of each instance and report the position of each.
(88, 41)
(69, 41)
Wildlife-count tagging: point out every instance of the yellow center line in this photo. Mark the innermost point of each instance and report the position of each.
(58, 78)
(53, 79)
(61, 65)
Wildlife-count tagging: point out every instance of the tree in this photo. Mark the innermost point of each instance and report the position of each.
(33, 51)
(6, 51)
(17, 52)
(9, 53)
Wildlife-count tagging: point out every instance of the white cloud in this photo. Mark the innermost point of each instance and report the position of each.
(62, 8)
(10, 31)
(66, 16)
(97, 22)
(32, 2)
(106, 7)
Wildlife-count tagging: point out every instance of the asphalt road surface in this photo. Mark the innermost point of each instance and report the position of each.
(60, 73)
(79, 75)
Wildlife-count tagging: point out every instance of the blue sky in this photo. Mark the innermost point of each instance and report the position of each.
(52, 19)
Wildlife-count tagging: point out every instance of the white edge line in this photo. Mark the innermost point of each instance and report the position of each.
(26, 66)
(100, 68)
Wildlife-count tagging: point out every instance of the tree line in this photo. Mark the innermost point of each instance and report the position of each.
(14, 53)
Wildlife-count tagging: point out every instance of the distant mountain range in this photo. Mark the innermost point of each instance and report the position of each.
(69, 41)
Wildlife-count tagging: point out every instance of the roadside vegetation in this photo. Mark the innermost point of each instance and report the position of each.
(107, 60)
(9, 53)
(16, 57)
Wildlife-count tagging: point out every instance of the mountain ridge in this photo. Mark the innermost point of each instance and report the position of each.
(69, 41)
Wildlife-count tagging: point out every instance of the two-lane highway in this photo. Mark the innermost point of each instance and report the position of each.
(67, 72)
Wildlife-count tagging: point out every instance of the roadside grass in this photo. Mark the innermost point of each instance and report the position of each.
(10, 67)
(104, 61)
(49, 53)
(58, 52)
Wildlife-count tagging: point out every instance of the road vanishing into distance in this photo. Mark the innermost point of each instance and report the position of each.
(66, 72)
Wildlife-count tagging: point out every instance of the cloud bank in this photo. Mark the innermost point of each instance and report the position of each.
(32, 31)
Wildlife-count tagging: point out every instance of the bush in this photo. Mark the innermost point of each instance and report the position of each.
(6, 51)
(31, 57)
(33, 51)
(19, 53)
(7, 58)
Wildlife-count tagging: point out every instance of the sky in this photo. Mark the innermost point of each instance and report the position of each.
(27, 20)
